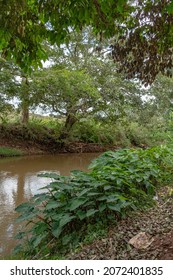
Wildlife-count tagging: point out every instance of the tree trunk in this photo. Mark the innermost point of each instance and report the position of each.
(25, 101)
(25, 114)
(70, 121)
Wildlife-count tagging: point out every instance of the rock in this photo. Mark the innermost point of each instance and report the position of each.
(141, 240)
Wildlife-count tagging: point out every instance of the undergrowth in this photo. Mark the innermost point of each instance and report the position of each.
(121, 133)
(10, 152)
(78, 208)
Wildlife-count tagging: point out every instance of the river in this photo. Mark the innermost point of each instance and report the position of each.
(19, 182)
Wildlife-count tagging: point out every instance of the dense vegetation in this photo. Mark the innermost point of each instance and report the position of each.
(9, 152)
(107, 81)
(85, 98)
(74, 209)
(140, 30)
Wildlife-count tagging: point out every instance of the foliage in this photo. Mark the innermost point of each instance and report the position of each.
(162, 93)
(94, 131)
(138, 134)
(117, 96)
(118, 182)
(144, 45)
(10, 152)
(69, 95)
(122, 133)
(32, 133)
(82, 82)
(5, 107)
(14, 89)
(49, 122)
(142, 31)
(8, 87)
(28, 23)
(135, 130)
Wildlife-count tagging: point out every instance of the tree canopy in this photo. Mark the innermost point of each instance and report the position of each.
(144, 47)
(141, 32)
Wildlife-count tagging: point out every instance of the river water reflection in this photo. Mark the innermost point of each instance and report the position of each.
(19, 182)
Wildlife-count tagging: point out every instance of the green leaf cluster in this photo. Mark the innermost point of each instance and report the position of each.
(118, 182)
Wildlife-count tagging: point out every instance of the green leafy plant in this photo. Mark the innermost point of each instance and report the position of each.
(118, 182)
(93, 131)
(10, 152)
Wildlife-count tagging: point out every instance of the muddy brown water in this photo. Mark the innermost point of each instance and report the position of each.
(19, 182)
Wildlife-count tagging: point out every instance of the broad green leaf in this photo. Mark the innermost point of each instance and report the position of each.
(76, 203)
(91, 212)
(112, 198)
(52, 205)
(108, 188)
(115, 207)
(38, 239)
(139, 179)
(81, 214)
(85, 191)
(39, 198)
(40, 227)
(26, 217)
(20, 235)
(24, 207)
(102, 207)
(57, 216)
(56, 230)
(93, 194)
(66, 219)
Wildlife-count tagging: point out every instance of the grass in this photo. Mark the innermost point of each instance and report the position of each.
(10, 152)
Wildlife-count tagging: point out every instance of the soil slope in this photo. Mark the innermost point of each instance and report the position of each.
(34, 147)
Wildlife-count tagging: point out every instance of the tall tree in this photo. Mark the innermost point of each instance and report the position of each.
(24, 99)
(8, 87)
(85, 52)
(68, 94)
(162, 93)
(14, 83)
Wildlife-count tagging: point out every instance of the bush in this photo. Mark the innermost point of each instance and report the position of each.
(32, 132)
(10, 152)
(137, 134)
(118, 182)
(90, 131)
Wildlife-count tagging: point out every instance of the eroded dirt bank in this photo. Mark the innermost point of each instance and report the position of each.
(52, 147)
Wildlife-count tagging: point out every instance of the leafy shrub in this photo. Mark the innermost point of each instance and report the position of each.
(48, 122)
(137, 134)
(91, 131)
(33, 132)
(118, 182)
(10, 152)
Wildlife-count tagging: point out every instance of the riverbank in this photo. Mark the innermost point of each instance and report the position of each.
(33, 148)
(30, 147)
(99, 232)
(37, 139)
(157, 225)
